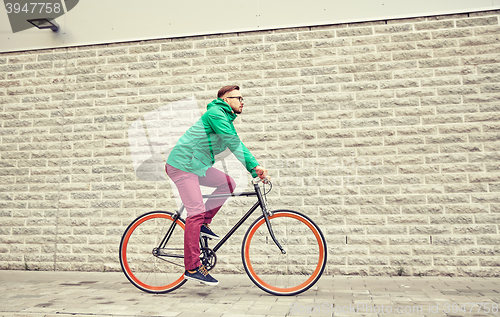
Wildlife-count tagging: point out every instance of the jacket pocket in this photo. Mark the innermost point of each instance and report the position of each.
(200, 161)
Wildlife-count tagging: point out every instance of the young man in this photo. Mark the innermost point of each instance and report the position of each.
(189, 165)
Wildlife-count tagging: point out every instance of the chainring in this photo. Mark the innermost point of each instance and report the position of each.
(208, 258)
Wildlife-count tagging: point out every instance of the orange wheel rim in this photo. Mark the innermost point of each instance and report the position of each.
(124, 254)
(303, 284)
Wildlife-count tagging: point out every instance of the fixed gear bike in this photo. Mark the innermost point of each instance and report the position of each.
(283, 251)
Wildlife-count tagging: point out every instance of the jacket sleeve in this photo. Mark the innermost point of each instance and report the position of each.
(224, 129)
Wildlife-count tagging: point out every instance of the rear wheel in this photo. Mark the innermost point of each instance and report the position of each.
(148, 268)
(293, 272)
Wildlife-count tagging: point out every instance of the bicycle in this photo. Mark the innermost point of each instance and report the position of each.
(283, 252)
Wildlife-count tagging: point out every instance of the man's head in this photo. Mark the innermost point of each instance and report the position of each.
(232, 96)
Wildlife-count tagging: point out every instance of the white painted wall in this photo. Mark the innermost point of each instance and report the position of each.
(97, 21)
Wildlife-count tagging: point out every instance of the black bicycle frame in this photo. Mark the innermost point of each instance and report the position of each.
(260, 202)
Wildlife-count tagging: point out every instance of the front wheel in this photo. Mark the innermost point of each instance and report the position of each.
(293, 272)
(148, 267)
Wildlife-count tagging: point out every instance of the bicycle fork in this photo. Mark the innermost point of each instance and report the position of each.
(266, 217)
(271, 232)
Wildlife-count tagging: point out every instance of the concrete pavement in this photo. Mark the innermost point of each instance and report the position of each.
(51, 294)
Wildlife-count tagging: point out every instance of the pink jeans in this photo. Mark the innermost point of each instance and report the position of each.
(198, 213)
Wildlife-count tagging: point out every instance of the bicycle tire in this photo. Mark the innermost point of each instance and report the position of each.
(142, 268)
(284, 274)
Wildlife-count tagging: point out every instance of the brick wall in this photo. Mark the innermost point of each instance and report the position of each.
(385, 133)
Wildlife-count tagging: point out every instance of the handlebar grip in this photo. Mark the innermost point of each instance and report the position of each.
(265, 180)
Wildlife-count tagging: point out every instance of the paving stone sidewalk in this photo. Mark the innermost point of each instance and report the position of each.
(51, 294)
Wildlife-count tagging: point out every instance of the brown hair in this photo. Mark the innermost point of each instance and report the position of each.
(224, 90)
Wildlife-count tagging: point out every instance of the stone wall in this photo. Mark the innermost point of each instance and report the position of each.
(385, 133)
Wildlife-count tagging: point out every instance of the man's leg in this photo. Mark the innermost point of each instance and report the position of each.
(189, 189)
(225, 185)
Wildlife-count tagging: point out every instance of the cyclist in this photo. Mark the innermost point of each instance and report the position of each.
(189, 165)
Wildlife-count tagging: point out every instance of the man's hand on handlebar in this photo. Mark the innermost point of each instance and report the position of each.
(262, 172)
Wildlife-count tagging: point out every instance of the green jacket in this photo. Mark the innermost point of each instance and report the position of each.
(212, 134)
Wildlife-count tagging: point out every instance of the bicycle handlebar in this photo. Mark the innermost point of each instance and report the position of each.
(264, 180)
